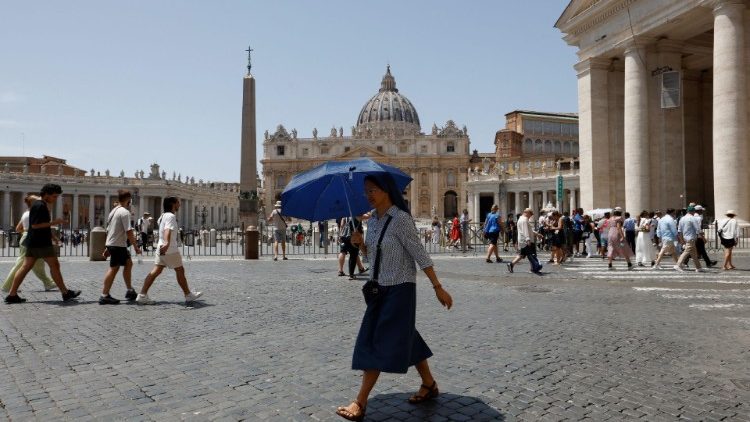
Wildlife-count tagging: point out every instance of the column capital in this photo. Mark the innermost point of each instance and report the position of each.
(723, 7)
(637, 44)
(584, 66)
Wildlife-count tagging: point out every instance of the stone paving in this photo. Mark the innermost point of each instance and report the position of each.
(273, 341)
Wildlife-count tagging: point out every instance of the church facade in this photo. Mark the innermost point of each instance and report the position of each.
(663, 95)
(387, 130)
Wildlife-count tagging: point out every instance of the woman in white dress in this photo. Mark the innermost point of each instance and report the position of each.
(644, 245)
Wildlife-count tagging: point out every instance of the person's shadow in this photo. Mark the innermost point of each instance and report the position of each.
(447, 406)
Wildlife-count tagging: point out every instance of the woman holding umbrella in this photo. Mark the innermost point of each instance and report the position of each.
(387, 339)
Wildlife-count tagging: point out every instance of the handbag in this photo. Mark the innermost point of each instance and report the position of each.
(721, 230)
(371, 289)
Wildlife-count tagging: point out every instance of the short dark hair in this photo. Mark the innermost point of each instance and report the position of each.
(670, 211)
(50, 189)
(627, 215)
(169, 203)
(123, 195)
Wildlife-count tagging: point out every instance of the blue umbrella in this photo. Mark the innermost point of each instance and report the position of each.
(334, 189)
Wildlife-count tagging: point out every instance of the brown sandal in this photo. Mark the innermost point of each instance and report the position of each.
(344, 413)
(432, 392)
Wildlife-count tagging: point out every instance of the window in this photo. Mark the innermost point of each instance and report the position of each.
(423, 149)
(566, 148)
(280, 150)
(451, 179)
(451, 147)
(538, 146)
(324, 150)
(528, 146)
(402, 148)
(280, 181)
(347, 149)
(380, 148)
(548, 147)
(558, 147)
(575, 148)
(305, 152)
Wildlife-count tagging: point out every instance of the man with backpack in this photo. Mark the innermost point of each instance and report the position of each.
(119, 234)
(526, 242)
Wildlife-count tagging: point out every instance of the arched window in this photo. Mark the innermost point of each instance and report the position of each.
(538, 146)
(566, 148)
(558, 147)
(528, 146)
(425, 181)
(451, 147)
(548, 147)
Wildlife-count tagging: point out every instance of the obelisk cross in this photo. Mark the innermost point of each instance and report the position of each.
(249, 59)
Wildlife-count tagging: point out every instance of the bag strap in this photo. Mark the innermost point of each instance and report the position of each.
(111, 215)
(725, 224)
(376, 272)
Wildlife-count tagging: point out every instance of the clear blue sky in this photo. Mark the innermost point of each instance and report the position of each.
(122, 84)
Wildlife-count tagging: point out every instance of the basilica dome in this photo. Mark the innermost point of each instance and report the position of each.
(387, 110)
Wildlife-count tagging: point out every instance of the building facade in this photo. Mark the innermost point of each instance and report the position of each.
(88, 195)
(663, 102)
(387, 130)
(531, 153)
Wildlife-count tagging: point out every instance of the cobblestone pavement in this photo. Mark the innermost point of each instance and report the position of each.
(273, 341)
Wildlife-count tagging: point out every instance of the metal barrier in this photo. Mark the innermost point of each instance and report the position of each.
(308, 241)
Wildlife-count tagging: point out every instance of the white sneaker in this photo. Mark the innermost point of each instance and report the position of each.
(656, 267)
(142, 299)
(678, 268)
(699, 270)
(192, 296)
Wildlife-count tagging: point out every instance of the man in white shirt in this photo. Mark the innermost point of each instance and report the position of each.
(279, 232)
(526, 242)
(168, 254)
(144, 225)
(119, 233)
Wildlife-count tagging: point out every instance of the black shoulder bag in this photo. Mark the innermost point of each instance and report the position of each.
(371, 289)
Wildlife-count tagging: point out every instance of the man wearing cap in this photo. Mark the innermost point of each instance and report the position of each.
(279, 232)
(144, 224)
(666, 230)
(687, 233)
(700, 242)
(526, 242)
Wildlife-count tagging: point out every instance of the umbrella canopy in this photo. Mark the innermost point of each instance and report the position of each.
(334, 189)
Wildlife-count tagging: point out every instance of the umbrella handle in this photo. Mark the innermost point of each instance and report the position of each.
(346, 195)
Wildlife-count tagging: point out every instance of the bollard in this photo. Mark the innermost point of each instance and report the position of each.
(212, 238)
(97, 241)
(251, 242)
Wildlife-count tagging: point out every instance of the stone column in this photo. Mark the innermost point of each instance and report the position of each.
(92, 212)
(108, 207)
(593, 123)
(729, 109)
(59, 207)
(6, 223)
(517, 202)
(496, 197)
(573, 202)
(531, 201)
(544, 197)
(74, 220)
(636, 154)
(476, 208)
(414, 194)
(437, 199)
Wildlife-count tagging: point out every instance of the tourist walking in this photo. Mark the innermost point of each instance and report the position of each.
(617, 241)
(279, 231)
(728, 235)
(388, 340)
(700, 241)
(603, 229)
(144, 228)
(168, 255)
(687, 233)
(510, 233)
(589, 235)
(577, 218)
(556, 233)
(645, 254)
(38, 268)
(455, 236)
(527, 243)
(465, 220)
(630, 230)
(492, 233)
(119, 236)
(347, 227)
(39, 245)
(436, 232)
(666, 231)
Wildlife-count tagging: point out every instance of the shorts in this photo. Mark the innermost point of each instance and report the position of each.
(44, 252)
(171, 261)
(279, 235)
(577, 236)
(668, 247)
(557, 239)
(728, 243)
(118, 256)
(527, 250)
(492, 237)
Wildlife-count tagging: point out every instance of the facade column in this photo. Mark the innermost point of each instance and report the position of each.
(496, 197)
(729, 110)
(531, 201)
(636, 149)
(436, 197)
(92, 212)
(74, 220)
(6, 223)
(573, 202)
(516, 203)
(593, 123)
(544, 197)
(414, 194)
(475, 210)
(108, 207)
(59, 207)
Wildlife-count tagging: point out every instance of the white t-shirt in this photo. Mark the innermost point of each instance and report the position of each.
(144, 225)
(278, 220)
(169, 221)
(25, 221)
(118, 225)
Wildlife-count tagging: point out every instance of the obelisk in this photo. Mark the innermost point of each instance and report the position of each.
(248, 166)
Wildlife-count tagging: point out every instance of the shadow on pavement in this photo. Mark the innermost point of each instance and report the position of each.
(446, 406)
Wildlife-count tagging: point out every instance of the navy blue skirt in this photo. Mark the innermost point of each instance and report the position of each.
(387, 340)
